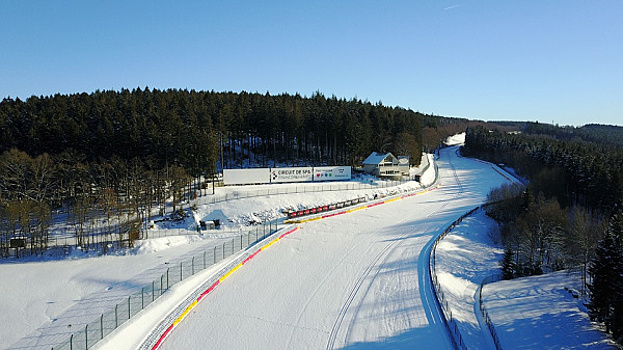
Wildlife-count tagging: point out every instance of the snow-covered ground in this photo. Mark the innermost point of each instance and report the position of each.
(465, 257)
(43, 301)
(544, 314)
(352, 281)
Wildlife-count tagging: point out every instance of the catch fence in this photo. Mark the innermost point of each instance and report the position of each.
(324, 187)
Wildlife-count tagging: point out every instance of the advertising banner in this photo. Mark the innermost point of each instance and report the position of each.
(332, 173)
(302, 174)
(246, 176)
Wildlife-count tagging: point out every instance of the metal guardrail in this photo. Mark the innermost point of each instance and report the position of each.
(449, 321)
(485, 314)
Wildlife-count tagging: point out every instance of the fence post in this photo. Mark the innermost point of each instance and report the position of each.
(214, 254)
(181, 270)
(129, 307)
(167, 278)
(86, 337)
(204, 259)
(71, 342)
(192, 266)
(142, 298)
(102, 327)
(153, 290)
(116, 316)
(223, 250)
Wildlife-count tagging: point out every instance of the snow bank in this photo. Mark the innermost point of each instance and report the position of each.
(465, 257)
(538, 311)
(455, 140)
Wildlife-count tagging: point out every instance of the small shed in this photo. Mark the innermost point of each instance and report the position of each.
(384, 165)
(213, 220)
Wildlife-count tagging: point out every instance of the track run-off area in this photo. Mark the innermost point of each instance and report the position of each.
(358, 280)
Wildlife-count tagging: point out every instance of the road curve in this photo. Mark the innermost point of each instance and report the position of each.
(351, 281)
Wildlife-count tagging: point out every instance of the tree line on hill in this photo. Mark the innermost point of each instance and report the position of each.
(569, 216)
(120, 154)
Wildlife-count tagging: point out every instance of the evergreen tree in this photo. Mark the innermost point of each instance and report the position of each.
(606, 289)
(508, 265)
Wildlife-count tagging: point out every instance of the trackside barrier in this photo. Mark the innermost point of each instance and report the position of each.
(96, 330)
(495, 168)
(447, 313)
(155, 340)
(300, 221)
(485, 314)
(433, 186)
(324, 187)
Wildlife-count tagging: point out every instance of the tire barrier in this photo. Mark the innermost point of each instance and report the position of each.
(294, 220)
(315, 210)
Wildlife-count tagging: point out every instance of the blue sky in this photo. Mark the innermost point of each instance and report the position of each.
(557, 61)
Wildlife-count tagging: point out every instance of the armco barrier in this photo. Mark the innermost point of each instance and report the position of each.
(309, 188)
(181, 311)
(451, 324)
(446, 314)
(495, 168)
(485, 314)
(96, 330)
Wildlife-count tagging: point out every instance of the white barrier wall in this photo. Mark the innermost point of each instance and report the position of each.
(282, 175)
(246, 176)
(303, 174)
(332, 173)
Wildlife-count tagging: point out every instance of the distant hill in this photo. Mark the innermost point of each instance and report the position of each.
(604, 134)
(609, 135)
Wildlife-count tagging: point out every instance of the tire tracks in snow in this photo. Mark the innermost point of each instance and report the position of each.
(386, 252)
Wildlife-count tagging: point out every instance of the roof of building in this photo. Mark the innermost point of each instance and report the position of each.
(377, 158)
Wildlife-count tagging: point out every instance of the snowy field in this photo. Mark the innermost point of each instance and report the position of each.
(544, 315)
(355, 281)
